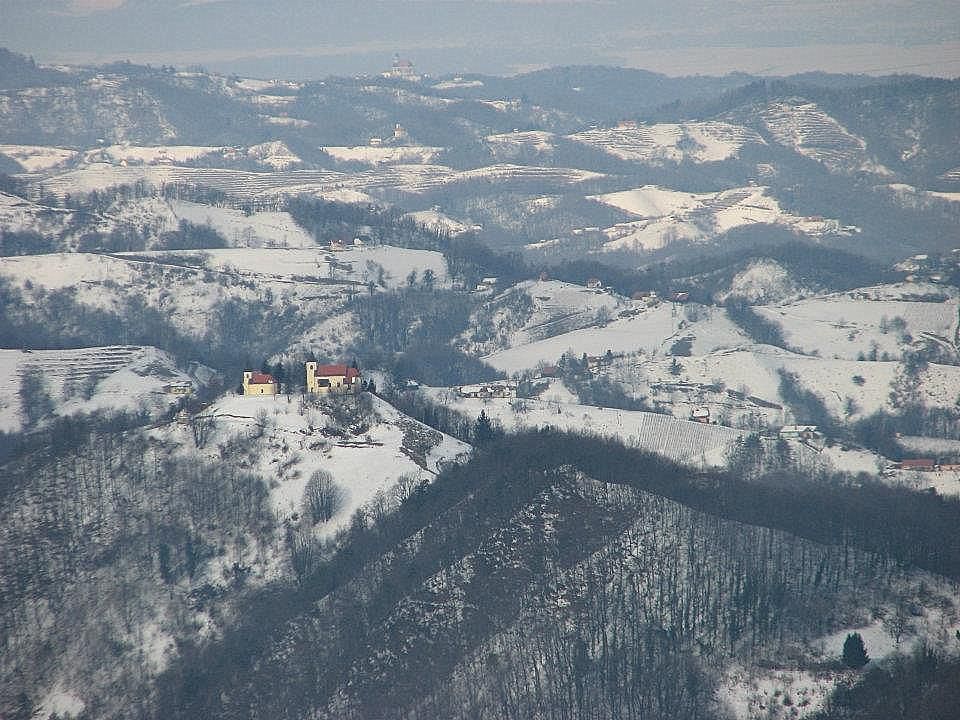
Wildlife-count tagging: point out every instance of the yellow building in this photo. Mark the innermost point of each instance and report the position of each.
(258, 383)
(323, 379)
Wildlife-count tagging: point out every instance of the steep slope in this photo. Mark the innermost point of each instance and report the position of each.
(38, 384)
(538, 310)
(513, 592)
(165, 533)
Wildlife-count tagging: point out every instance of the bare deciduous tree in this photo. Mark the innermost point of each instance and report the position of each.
(322, 497)
(201, 425)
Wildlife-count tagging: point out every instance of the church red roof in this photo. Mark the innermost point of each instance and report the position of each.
(336, 371)
(259, 378)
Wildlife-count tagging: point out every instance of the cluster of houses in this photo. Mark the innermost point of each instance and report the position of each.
(400, 137)
(930, 268)
(320, 380)
(493, 389)
(926, 465)
(486, 284)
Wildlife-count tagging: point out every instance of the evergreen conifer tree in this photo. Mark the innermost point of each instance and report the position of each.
(854, 651)
(483, 431)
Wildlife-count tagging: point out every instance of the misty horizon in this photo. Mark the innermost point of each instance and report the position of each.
(304, 41)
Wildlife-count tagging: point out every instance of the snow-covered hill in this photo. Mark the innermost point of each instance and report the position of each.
(38, 158)
(807, 129)
(188, 285)
(855, 325)
(366, 451)
(438, 222)
(352, 265)
(763, 281)
(384, 155)
(509, 146)
(407, 178)
(670, 215)
(686, 442)
(753, 372)
(86, 380)
(698, 142)
(635, 328)
(538, 310)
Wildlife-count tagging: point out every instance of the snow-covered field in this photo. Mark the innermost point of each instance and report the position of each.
(556, 308)
(38, 158)
(417, 178)
(686, 442)
(507, 146)
(671, 142)
(352, 265)
(671, 215)
(650, 331)
(754, 369)
(264, 228)
(642, 332)
(651, 201)
(852, 325)
(134, 154)
(86, 380)
(391, 155)
(294, 446)
(457, 83)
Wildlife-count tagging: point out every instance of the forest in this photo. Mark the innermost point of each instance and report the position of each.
(530, 558)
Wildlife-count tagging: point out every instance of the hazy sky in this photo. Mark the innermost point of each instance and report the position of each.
(304, 38)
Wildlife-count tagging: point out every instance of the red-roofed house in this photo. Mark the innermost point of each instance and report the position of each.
(332, 378)
(921, 464)
(258, 383)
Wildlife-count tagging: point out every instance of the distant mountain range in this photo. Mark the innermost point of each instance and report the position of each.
(879, 158)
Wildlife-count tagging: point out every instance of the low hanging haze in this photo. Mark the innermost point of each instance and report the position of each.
(302, 39)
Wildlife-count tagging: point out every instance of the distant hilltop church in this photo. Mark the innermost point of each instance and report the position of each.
(320, 380)
(402, 69)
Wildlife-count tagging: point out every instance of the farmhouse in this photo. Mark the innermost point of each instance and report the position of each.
(495, 389)
(258, 383)
(322, 379)
(700, 415)
(798, 432)
(918, 464)
(595, 284)
(549, 371)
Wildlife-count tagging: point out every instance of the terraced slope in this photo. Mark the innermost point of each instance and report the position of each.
(116, 377)
(810, 131)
